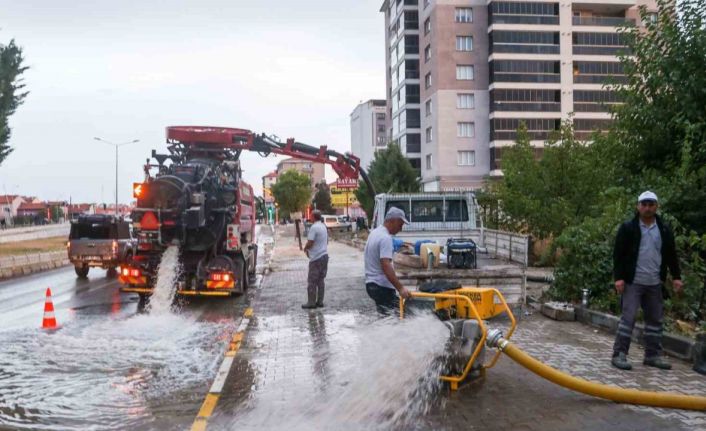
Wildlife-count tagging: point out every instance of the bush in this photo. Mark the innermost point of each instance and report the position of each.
(585, 262)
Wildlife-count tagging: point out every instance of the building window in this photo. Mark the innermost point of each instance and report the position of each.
(429, 134)
(466, 158)
(427, 53)
(464, 14)
(464, 43)
(427, 26)
(428, 161)
(464, 72)
(465, 101)
(427, 108)
(466, 130)
(427, 80)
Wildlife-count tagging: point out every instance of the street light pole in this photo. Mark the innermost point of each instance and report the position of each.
(116, 164)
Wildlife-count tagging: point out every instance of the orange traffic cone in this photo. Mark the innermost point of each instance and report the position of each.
(49, 321)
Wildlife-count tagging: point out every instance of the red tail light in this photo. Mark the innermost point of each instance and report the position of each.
(220, 276)
(126, 272)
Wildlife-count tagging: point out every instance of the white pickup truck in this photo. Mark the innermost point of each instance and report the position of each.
(438, 216)
(433, 216)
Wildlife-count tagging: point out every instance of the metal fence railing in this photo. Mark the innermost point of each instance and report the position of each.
(507, 245)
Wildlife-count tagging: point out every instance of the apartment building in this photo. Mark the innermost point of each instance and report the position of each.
(403, 77)
(483, 67)
(315, 171)
(368, 130)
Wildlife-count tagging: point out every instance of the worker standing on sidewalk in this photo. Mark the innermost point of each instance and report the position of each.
(317, 250)
(644, 250)
(381, 282)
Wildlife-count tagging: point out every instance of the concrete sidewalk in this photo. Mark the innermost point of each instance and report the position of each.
(292, 357)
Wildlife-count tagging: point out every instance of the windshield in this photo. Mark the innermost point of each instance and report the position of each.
(92, 231)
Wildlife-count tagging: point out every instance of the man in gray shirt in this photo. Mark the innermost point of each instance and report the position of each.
(317, 250)
(381, 282)
(644, 251)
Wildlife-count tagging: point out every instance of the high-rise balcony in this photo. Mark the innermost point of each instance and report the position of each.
(605, 3)
(524, 48)
(524, 19)
(603, 21)
(600, 50)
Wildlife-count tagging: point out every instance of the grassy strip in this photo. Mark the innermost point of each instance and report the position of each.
(33, 246)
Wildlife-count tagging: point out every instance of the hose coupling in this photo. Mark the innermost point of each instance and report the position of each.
(495, 339)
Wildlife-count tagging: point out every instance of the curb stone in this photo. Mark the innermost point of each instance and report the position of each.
(674, 345)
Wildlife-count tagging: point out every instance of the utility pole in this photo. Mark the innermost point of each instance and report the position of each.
(116, 165)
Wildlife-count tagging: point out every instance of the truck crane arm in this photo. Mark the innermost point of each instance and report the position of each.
(231, 142)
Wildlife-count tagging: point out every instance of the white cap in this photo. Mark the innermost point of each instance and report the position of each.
(396, 213)
(647, 196)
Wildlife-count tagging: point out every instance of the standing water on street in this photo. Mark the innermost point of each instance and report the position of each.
(165, 286)
(386, 377)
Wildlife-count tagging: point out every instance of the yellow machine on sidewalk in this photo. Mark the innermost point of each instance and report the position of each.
(465, 311)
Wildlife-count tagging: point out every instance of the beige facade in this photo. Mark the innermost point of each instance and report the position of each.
(315, 171)
(480, 68)
(451, 39)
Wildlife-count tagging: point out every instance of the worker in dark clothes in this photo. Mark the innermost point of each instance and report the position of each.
(644, 250)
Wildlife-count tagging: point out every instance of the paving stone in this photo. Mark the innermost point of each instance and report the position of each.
(290, 355)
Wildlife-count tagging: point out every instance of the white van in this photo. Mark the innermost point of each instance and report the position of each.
(435, 216)
(336, 223)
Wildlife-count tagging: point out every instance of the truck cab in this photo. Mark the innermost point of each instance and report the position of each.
(99, 240)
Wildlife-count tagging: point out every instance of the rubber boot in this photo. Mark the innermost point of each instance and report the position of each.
(657, 362)
(620, 361)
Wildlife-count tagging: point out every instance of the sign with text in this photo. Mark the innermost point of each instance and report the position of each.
(342, 197)
(347, 183)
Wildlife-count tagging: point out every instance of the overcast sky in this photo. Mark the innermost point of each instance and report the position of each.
(124, 70)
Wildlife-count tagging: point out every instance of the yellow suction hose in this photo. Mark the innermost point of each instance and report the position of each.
(630, 396)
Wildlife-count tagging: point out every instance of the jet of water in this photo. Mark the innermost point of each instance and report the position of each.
(165, 287)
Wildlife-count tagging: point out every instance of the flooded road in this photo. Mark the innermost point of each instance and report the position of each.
(114, 363)
(351, 373)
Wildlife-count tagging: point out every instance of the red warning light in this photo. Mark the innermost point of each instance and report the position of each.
(137, 190)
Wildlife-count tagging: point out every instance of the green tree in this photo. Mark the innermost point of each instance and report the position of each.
(544, 195)
(657, 142)
(660, 130)
(292, 191)
(389, 172)
(11, 94)
(322, 198)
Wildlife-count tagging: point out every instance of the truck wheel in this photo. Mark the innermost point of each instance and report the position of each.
(254, 261)
(241, 273)
(81, 270)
